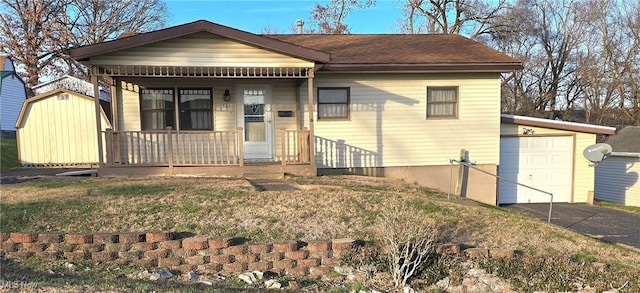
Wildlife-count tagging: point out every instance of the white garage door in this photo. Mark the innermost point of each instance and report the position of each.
(545, 163)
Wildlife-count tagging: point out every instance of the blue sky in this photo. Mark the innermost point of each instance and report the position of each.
(253, 16)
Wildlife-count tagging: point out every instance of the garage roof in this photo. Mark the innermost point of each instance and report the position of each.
(557, 124)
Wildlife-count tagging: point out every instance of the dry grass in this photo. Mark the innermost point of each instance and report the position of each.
(323, 208)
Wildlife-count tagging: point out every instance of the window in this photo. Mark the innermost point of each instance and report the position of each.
(157, 108)
(195, 109)
(333, 103)
(442, 102)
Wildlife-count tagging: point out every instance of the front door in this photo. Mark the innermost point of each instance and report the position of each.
(254, 116)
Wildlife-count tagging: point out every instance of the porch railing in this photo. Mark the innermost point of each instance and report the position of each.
(169, 148)
(173, 148)
(295, 146)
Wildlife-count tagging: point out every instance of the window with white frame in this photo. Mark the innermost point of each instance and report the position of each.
(442, 102)
(333, 103)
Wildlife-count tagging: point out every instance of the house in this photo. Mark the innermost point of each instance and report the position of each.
(12, 95)
(70, 83)
(58, 129)
(617, 177)
(202, 98)
(547, 155)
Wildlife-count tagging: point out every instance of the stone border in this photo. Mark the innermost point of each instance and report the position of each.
(208, 255)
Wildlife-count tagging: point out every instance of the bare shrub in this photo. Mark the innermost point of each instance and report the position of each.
(408, 237)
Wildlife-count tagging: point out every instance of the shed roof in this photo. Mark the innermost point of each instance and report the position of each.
(556, 124)
(384, 52)
(105, 108)
(627, 140)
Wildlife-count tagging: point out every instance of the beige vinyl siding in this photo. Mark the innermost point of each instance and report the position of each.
(128, 107)
(583, 174)
(617, 180)
(388, 125)
(59, 132)
(200, 49)
(283, 99)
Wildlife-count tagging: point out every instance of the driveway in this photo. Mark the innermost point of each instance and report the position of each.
(606, 224)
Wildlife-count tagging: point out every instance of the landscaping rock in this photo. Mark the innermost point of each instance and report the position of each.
(161, 274)
(192, 276)
(248, 278)
(272, 284)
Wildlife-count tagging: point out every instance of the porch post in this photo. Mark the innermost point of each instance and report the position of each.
(96, 99)
(312, 138)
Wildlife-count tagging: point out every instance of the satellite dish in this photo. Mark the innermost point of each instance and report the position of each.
(597, 153)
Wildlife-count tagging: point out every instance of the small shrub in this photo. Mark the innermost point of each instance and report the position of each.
(408, 236)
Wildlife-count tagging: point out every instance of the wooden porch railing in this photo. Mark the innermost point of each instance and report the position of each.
(173, 148)
(295, 146)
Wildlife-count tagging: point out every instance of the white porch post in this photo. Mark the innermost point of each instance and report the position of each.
(96, 94)
(312, 139)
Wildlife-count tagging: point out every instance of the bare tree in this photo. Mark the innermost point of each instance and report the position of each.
(467, 17)
(36, 33)
(32, 33)
(330, 18)
(546, 35)
(630, 86)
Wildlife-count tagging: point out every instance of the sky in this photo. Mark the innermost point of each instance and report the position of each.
(255, 15)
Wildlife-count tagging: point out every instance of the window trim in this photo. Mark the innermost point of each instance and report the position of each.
(348, 104)
(179, 111)
(456, 103)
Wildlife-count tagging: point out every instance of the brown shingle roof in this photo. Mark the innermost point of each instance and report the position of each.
(627, 140)
(404, 50)
(85, 52)
(341, 52)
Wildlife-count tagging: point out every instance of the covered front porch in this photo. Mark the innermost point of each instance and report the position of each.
(204, 99)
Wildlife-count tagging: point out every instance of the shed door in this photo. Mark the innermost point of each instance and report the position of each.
(545, 163)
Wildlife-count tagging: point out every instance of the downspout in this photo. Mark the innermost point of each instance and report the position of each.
(96, 97)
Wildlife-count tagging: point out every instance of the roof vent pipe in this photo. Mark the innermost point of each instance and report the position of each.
(299, 24)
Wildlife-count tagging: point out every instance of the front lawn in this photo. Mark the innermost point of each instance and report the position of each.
(8, 153)
(322, 208)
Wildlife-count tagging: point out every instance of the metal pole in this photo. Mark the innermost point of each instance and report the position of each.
(450, 179)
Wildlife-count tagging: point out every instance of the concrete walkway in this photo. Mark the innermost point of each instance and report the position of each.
(606, 224)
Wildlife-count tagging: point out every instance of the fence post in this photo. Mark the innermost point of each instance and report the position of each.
(241, 146)
(109, 146)
(170, 151)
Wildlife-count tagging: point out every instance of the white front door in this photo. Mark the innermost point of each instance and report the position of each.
(254, 116)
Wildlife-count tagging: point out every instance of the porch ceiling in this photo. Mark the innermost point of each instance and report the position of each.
(201, 71)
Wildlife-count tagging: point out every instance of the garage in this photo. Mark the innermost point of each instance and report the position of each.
(547, 155)
(543, 162)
